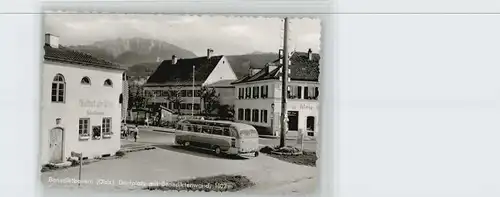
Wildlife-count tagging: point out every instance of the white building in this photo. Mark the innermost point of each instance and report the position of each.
(259, 96)
(177, 75)
(81, 109)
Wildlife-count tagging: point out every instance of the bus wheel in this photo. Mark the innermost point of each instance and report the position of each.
(256, 154)
(217, 150)
(186, 144)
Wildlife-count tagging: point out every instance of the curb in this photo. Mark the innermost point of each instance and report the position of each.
(288, 138)
(138, 148)
(163, 131)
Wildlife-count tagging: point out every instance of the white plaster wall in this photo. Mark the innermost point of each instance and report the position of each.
(71, 111)
(305, 107)
(222, 71)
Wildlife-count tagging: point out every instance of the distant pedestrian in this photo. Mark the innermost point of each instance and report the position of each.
(136, 133)
(124, 130)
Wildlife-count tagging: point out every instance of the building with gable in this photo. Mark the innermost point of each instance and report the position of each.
(258, 95)
(81, 104)
(187, 77)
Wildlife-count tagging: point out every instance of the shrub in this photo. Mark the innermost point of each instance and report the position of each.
(267, 149)
(288, 149)
(48, 167)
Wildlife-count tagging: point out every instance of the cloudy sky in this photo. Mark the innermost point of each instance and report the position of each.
(226, 35)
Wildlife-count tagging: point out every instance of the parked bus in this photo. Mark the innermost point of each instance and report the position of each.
(220, 136)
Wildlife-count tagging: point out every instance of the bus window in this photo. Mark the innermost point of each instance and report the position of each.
(233, 132)
(206, 129)
(248, 133)
(226, 132)
(217, 131)
(196, 128)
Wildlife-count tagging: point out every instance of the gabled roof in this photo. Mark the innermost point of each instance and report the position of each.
(70, 56)
(301, 68)
(182, 72)
(222, 83)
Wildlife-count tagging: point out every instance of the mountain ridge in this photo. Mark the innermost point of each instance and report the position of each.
(129, 52)
(142, 56)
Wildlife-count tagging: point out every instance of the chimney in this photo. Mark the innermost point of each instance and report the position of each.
(310, 54)
(52, 40)
(174, 59)
(209, 53)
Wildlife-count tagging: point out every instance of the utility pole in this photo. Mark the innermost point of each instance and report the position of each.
(192, 103)
(284, 84)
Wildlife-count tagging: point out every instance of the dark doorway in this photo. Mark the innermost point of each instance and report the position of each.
(293, 120)
(310, 123)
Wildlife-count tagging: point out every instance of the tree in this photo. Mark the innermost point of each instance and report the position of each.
(174, 96)
(210, 99)
(226, 111)
(136, 97)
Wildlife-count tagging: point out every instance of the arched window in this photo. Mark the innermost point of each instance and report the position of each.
(58, 89)
(85, 81)
(108, 82)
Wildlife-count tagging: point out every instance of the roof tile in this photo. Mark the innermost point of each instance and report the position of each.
(66, 55)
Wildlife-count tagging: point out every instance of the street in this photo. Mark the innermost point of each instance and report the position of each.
(171, 163)
(164, 138)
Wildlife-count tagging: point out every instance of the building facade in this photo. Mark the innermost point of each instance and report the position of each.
(81, 109)
(178, 83)
(258, 96)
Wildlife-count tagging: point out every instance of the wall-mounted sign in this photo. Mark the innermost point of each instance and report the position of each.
(95, 103)
(302, 107)
(306, 106)
(92, 112)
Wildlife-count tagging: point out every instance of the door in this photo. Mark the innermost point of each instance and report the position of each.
(310, 125)
(56, 145)
(293, 120)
